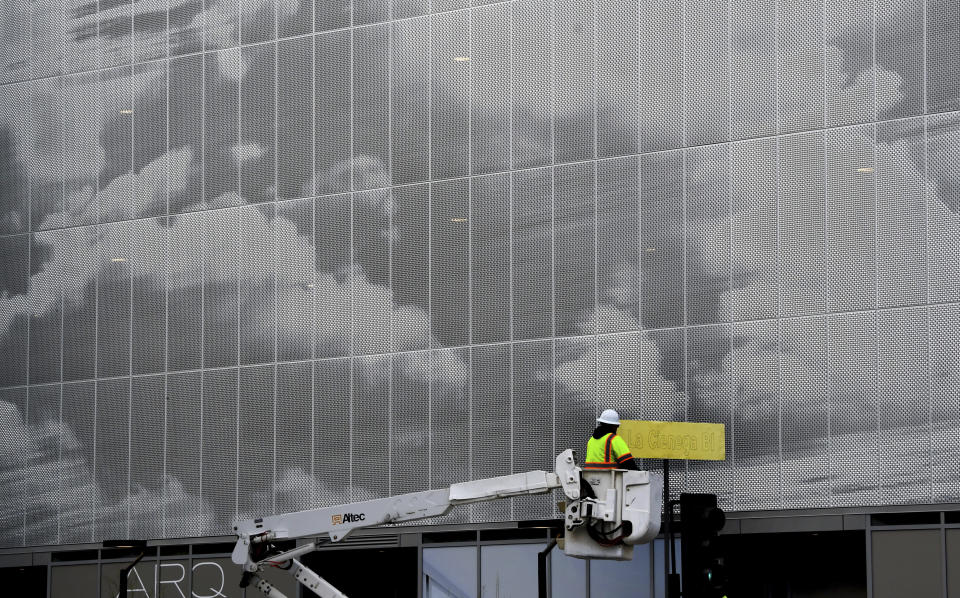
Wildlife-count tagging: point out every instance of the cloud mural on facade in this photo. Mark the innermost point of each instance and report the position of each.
(633, 248)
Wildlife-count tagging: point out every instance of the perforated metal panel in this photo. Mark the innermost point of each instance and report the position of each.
(614, 364)
(943, 229)
(220, 27)
(77, 489)
(617, 70)
(114, 26)
(533, 136)
(219, 438)
(46, 314)
(453, 409)
(618, 248)
(901, 215)
(46, 157)
(185, 292)
(221, 287)
(575, 51)
(802, 225)
(661, 239)
(258, 434)
(332, 406)
(335, 280)
(706, 72)
(806, 417)
(531, 215)
(14, 166)
(114, 183)
(296, 273)
(533, 414)
(148, 420)
(258, 270)
(333, 116)
(754, 237)
(295, 118)
(661, 75)
(370, 416)
(257, 151)
(410, 267)
(800, 58)
(80, 173)
(150, 125)
(13, 403)
(851, 212)
(370, 160)
(753, 68)
(258, 22)
(186, 131)
(222, 72)
(490, 250)
(710, 398)
(184, 512)
(574, 252)
(332, 14)
(14, 278)
(942, 58)
(903, 392)
(81, 43)
(944, 329)
(79, 302)
(450, 106)
(111, 457)
(491, 422)
(371, 312)
(410, 93)
(43, 501)
(854, 410)
(412, 454)
(755, 416)
(296, 419)
(149, 30)
(491, 127)
(149, 270)
(114, 301)
(450, 263)
(850, 83)
(900, 49)
(707, 232)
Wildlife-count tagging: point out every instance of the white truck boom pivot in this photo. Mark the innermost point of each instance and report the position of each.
(622, 509)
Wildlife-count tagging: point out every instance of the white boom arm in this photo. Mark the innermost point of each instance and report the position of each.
(625, 504)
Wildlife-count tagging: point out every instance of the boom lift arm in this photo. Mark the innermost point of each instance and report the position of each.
(624, 511)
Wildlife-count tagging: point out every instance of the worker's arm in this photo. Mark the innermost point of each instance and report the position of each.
(622, 453)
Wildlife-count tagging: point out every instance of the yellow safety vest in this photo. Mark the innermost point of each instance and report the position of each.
(607, 452)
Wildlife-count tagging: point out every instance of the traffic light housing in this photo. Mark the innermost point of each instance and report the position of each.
(703, 572)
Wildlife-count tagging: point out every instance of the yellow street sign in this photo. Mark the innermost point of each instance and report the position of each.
(674, 440)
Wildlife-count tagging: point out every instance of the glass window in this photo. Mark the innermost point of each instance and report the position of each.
(622, 578)
(657, 547)
(173, 578)
(568, 576)
(215, 578)
(450, 572)
(509, 571)
(140, 579)
(73, 581)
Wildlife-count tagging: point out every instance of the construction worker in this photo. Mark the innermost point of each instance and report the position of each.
(606, 450)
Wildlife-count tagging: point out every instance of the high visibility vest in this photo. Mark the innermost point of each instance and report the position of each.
(607, 452)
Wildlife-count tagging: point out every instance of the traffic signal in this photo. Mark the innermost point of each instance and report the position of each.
(703, 572)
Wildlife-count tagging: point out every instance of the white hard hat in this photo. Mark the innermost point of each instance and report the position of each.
(609, 416)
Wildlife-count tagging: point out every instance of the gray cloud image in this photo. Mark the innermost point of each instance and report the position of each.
(261, 256)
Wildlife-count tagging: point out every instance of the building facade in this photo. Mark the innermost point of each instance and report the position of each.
(262, 256)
